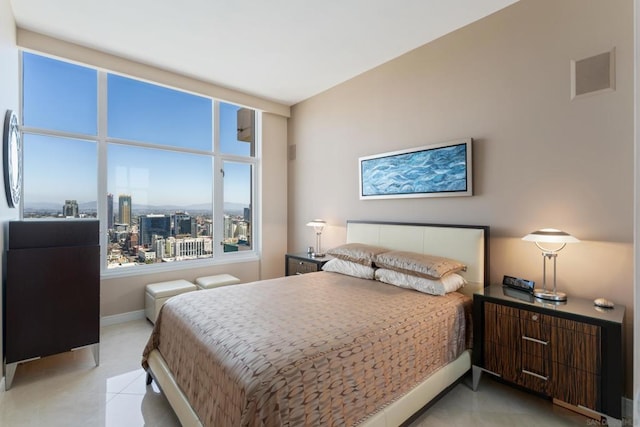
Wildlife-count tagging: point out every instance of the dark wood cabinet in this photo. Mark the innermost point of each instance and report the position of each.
(569, 352)
(303, 263)
(52, 290)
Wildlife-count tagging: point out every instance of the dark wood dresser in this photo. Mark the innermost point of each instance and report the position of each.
(52, 290)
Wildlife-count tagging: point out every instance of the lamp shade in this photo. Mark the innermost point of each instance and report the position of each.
(550, 235)
(317, 224)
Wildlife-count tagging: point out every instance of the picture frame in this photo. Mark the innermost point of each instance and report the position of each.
(437, 170)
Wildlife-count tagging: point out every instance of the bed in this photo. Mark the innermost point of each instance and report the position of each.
(321, 348)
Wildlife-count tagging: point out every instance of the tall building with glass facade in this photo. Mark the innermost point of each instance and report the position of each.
(124, 209)
(183, 224)
(110, 211)
(153, 225)
(70, 209)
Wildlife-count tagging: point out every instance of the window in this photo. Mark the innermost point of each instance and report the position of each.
(56, 171)
(170, 174)
(237, 202)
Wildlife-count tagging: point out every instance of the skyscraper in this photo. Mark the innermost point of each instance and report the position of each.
(110, 211)
(153, 225)
(70, 209)
(124, 209)
(183, 224)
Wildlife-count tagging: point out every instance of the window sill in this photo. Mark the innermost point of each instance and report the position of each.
(178, 266)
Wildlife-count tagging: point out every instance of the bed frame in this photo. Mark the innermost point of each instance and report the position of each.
(468, 244)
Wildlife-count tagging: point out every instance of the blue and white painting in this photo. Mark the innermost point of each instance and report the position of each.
(437, 170)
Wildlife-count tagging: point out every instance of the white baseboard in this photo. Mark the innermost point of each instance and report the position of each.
(121, 318)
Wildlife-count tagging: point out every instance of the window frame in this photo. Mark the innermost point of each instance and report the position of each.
(218, 158)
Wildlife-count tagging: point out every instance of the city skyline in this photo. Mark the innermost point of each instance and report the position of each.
(139, 238)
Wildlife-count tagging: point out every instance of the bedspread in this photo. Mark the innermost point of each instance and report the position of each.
(316, 349)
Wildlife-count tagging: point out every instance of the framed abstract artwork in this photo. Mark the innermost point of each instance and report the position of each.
(437, 170)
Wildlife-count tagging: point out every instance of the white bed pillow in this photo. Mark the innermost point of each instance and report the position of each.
(349, 268)
(449, 283)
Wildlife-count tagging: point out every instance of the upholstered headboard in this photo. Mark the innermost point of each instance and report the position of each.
(465, 243)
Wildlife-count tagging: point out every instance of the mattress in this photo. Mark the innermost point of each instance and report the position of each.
(315, 349)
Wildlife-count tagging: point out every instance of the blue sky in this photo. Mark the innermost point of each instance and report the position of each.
(63, 96)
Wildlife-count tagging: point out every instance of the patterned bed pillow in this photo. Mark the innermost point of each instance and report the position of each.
(349, 268)
(422, 265)
(449, 283)
(357, 252)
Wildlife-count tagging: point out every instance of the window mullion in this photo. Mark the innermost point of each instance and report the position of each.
(102, 168)
(218, 185)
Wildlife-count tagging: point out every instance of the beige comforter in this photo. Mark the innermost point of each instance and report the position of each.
(316, 349)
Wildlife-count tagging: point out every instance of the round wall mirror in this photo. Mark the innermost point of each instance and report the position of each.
(12, 154)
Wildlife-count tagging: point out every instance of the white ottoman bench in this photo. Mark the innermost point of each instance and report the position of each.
(210, 282)
(158, 293)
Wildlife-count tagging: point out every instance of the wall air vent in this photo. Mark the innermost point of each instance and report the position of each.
(594, 74)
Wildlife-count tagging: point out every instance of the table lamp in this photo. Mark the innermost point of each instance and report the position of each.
(318, 225)
(549, 235)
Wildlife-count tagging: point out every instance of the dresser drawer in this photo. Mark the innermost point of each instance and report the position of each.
(501, 325)
(298, 266)
(534, 373)
(576, 387)
(535, 326)
(503, 361)
(576, 349)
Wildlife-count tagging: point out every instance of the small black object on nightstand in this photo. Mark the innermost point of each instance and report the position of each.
(519, 283)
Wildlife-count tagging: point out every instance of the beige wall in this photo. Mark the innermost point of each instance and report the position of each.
(540, 159)
(9, 99)
(126, 294)
(273, 195)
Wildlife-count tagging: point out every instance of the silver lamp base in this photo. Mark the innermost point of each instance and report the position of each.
(549, 295)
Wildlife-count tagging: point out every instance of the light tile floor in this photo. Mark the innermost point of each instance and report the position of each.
(69, 390)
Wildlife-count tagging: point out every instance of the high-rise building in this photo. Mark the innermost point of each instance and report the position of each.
(110, 211)
(153, 225)
(183, 224)
(124, 209)
(247, 214)
(70, 209)
(229, 227)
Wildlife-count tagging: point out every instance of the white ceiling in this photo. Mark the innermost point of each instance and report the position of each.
(281, 50)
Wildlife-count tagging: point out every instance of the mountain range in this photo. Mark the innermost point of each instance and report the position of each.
(235, 208)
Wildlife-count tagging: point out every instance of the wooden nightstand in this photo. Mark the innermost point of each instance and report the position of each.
(303, 263)
(571, 352)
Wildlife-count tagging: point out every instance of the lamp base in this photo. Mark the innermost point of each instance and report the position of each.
(549, 295)
(316, 255)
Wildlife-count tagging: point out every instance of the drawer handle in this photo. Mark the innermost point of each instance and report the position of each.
(533, 374)
(301, 263)
(534, 317)
(524, 337)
